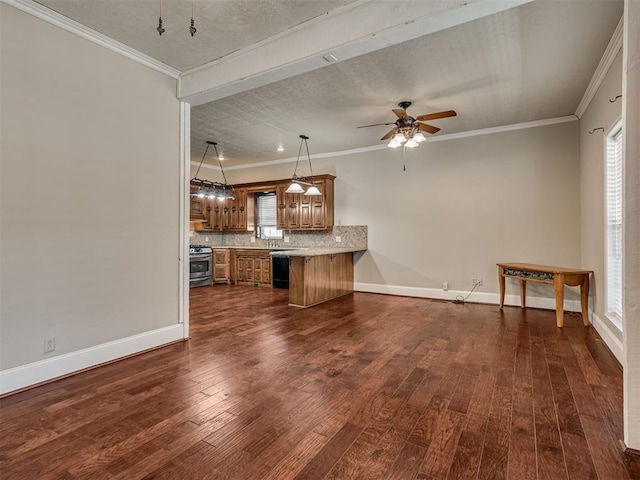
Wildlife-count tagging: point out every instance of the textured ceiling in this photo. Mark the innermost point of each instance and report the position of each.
(528, 63)
(224, 26)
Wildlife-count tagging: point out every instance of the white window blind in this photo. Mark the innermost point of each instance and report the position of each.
(614, 222)
(266, 217)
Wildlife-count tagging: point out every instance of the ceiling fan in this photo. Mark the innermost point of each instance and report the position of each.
(409, 129)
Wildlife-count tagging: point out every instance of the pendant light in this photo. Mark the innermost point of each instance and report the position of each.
(208, 189)
(296, 185)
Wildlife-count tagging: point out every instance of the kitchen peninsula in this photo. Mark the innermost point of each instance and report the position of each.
(318, 274)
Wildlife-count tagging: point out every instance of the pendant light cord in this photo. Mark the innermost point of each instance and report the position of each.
(205, 154)
(295, 170)
(309, 157)
(220, 163)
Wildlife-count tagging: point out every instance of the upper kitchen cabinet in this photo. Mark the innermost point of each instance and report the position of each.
(238, 211)
(201, 213)
(296, 211)
(229, 215)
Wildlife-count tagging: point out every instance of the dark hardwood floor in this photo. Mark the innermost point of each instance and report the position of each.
(363, 387)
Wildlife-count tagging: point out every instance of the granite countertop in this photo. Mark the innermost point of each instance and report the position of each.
(236, 247)
(313, 252)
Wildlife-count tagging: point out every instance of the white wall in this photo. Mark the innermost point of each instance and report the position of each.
(90, 194)
(600, 113)
(461, 206)
(631, 152)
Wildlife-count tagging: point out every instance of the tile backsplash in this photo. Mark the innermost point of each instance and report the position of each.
(350, 237)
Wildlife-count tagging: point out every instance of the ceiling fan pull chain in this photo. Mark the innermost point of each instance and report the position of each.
(404, 159)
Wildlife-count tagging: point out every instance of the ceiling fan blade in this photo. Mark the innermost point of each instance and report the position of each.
(376, 124)
(400, 112)
(390, 133)
(427, 128)
(433, 116)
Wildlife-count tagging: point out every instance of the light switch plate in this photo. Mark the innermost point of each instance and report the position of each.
(338, 239)
(253, 239)
(286, 239)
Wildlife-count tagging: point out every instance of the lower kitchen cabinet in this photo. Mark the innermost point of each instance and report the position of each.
(316, 279)
(221, 265)
(253, 267)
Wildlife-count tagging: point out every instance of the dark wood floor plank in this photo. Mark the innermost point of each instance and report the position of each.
(330, 453)
(366, 386)
(604, 453)
(408, 463)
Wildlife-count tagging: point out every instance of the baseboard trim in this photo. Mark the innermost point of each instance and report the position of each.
(35, 373)
(476, 297)
(610, 339)
(631, 451)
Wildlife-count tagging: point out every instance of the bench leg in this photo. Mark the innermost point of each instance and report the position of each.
(584, 299)
(558, 286)
(501, 283)
(523, 293)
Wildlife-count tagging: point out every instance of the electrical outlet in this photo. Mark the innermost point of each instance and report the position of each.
(287, 239)
(477, 281)
(206, 239)
(445, 286)
(49, 344)
(338, 239)
(253, 239)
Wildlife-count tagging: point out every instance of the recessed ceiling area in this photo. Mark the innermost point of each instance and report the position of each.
(528, 63)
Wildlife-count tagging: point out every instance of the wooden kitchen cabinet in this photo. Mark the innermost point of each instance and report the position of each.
(296, 211)
(201, 213)
(237, 211)
(225, 215)
(221, 265)
(198, 208)
(316, 279)
(253, 267)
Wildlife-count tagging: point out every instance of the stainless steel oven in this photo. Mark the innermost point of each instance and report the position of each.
(200, 266)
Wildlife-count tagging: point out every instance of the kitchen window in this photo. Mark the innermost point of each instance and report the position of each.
(266, 225)
(614, 224)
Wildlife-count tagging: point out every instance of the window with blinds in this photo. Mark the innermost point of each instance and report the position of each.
(614, 222)
(266, 225)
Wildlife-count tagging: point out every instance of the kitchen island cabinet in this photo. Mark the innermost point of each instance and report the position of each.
(316, 276)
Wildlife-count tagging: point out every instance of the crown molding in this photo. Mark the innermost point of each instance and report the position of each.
(614, 46)
(437, 138)
(54, 18)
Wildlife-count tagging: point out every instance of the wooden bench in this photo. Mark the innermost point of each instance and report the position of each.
(556, 276)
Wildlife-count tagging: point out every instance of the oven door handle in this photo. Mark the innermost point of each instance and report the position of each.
(204, 256)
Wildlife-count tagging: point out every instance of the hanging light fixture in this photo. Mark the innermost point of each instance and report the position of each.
(192, 28)
(192, 25)
(160, 28)
(296, 185)
(208, 189)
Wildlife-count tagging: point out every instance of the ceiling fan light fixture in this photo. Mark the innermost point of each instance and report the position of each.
(419, 137)
(399, 137)
(394, 144)
(411, 143)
